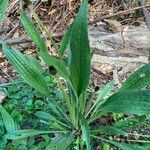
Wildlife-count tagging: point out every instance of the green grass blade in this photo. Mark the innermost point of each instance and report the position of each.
(3, 7)
(79, 58)
(27, 67)
(130, 102)
(32, 32)
(8, 121)
(138, 79)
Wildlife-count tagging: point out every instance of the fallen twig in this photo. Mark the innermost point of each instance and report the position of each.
(25, 39)
(124, 12)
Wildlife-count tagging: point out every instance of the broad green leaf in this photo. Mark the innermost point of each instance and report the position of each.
(8, 120)
(27, 67)
(126, 146)
(130, 102)
(43, 115)
(27, 133)
(65, 42)
(60, 142)
(79, 57)
(105, 91)
(3, 7)
(102, 94)
(86, 134)
(60, 67)
(130, 122)
(32, 32)
(126, 123)
(122, 146)
(109, 130)
(147, 146)
(138, 79)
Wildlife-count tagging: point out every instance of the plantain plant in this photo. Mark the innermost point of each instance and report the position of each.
(73, 120)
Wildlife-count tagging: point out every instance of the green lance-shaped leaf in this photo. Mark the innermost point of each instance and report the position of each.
(35, 36)
(130, 102)
(9, 123)
(79, 57)
(102, 94)
(86, 133)
(60, 67)
(32, 32)
(61, 142)
(20, 134)
(138, 79)
(3, 7)
(65, 42)
(27, 67)
(123, 146)
(130, 123)
(109, 130)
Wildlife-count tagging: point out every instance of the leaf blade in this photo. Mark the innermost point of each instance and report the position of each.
(64, 42)
(27, 67)
(3, 7)
(109, 130)
(32, 32)
(19, 134)
(126, 146)
(8, 120)
(138, 79)
(79, 60)
(134, 102)
(86, 133)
